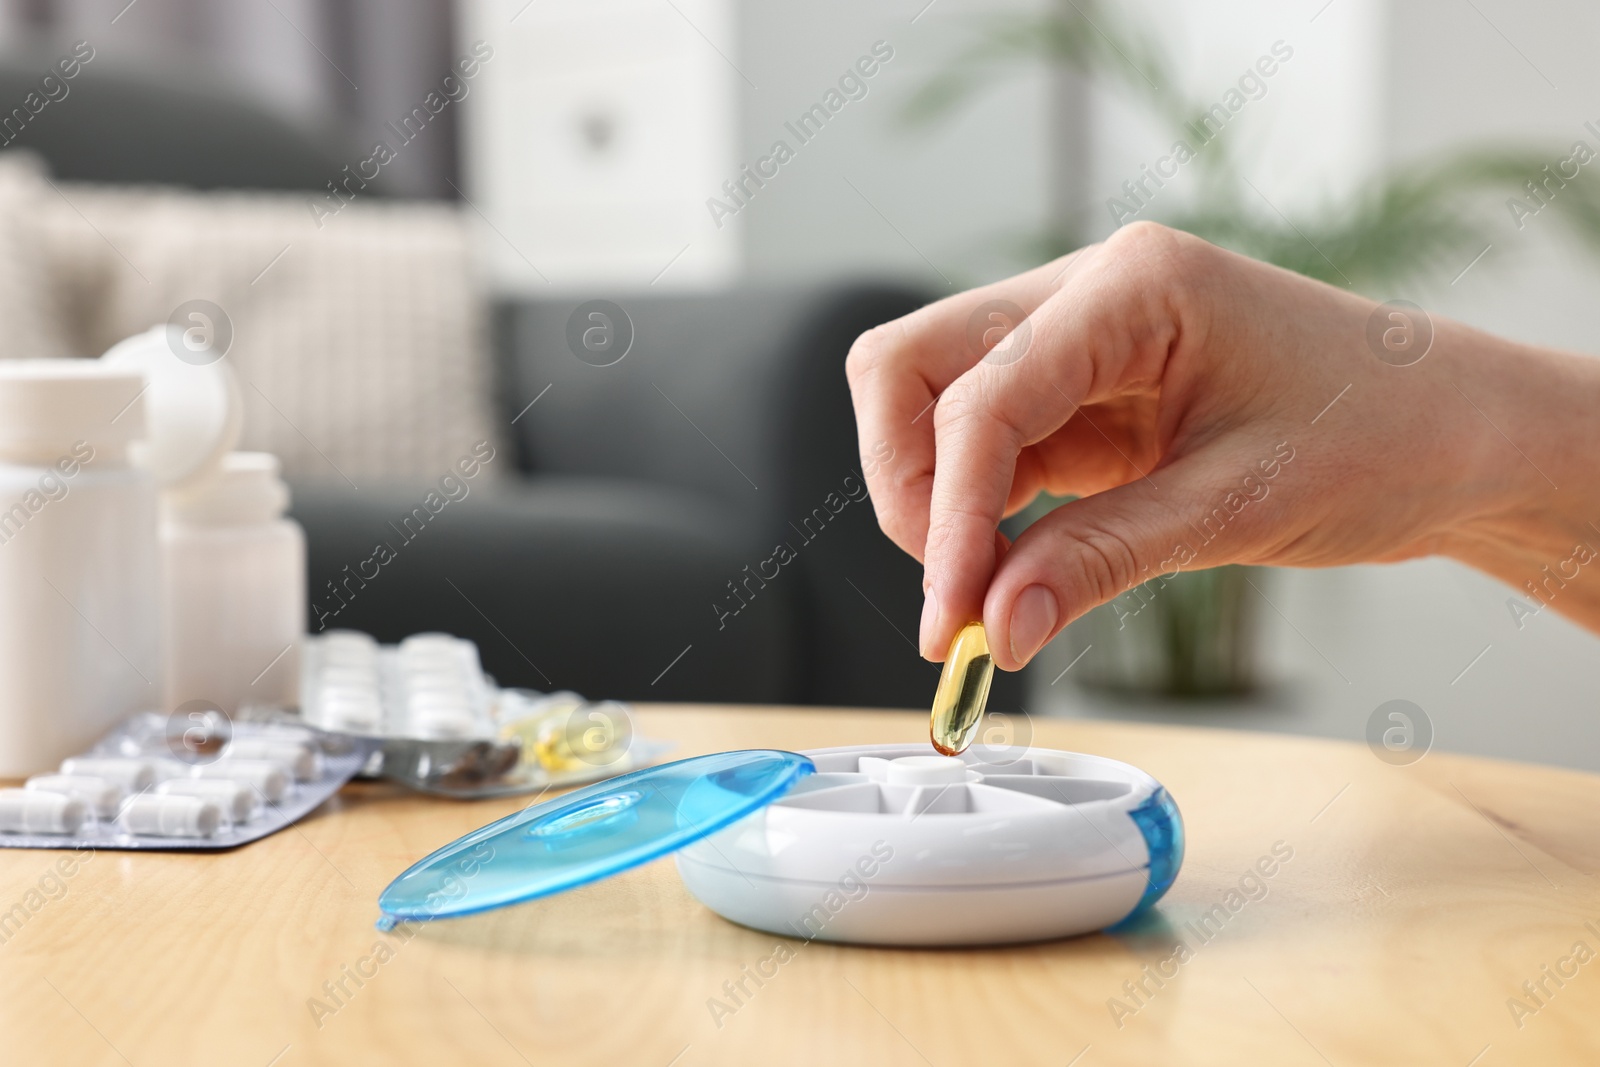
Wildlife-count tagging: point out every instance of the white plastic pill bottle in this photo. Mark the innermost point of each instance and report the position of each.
(79, 565)
(235, 587)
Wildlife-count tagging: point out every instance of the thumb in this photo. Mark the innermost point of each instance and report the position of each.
(1090, 551)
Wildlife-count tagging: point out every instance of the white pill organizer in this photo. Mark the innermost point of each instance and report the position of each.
(142, 788)
(874, 844)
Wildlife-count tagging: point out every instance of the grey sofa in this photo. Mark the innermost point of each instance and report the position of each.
(637, 552)
(636, 555)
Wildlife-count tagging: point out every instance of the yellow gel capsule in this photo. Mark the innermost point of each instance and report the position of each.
(554, 750)
(575, 736)
(963, 690)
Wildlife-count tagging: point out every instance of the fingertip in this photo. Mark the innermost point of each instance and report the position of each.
(1021, 625)
(952, 596)
(928, 630)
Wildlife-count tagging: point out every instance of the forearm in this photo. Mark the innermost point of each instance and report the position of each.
(1211, 369)
(1534, 415)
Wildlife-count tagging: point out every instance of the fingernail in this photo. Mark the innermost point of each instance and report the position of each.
(930, 622)
(1033, 616)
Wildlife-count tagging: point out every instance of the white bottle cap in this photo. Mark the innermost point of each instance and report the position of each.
(245, 488)
(49, 405)
(194, 413)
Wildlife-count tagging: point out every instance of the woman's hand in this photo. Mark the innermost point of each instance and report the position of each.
(1209, 409)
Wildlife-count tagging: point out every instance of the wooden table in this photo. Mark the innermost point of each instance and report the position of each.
(1416, 903)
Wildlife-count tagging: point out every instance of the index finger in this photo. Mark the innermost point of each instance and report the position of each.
(1103, 328)
(897, 372)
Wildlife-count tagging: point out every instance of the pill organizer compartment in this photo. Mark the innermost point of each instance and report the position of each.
(876, 844)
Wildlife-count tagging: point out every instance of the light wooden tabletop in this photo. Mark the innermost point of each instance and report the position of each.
(1415, 905)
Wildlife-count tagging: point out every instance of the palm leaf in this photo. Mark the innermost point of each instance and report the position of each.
(1071, 38)
(1413, 222)
(1417, 220)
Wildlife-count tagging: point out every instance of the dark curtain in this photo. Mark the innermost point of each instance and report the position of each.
(345, 66)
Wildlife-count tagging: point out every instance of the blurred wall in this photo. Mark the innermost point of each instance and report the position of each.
(603, 128)
(947, 204)
(1511, 72)
(595, 135)
(1314, 133)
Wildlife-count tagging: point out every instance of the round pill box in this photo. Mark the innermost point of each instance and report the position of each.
(873, 844)
(893, 844)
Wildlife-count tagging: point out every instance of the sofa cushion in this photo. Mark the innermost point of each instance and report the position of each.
(603, 587)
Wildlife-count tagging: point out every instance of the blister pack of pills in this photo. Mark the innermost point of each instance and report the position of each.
(445, 728)
(429, 686)
(181, 782)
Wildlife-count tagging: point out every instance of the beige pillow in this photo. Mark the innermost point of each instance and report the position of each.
(361, 343)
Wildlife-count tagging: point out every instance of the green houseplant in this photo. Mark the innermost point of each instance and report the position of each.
(1193, 636)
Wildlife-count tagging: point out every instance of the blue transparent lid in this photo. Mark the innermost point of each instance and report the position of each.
(591, 833)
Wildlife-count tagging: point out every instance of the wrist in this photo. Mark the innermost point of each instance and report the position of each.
(1531, 468)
